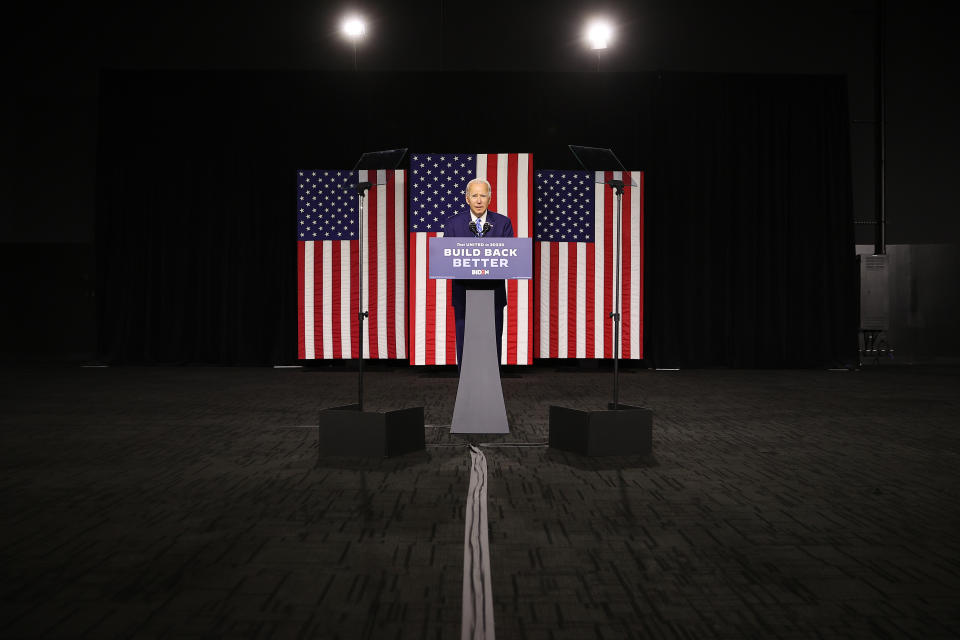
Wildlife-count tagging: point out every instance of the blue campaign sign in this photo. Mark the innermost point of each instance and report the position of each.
(481, 258)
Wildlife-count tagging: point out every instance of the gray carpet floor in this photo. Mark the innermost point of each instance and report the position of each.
(174, 502)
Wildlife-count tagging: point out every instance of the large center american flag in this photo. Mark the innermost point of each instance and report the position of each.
(574, 264)
(437, 191)
(329, 238)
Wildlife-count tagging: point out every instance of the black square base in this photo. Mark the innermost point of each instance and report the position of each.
(625, 431)
(347, 431)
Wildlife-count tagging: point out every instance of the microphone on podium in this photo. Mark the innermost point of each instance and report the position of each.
(473, 228)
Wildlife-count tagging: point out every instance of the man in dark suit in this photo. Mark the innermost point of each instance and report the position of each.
(486, 224)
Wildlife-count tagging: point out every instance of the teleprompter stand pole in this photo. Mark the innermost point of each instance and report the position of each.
(621, 429)
(349, 431)
(617, 186)
(362, 188)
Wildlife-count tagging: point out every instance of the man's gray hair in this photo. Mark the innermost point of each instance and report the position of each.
(489, 188)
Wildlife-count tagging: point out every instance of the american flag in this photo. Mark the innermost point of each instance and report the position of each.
(437, 191)
(328, 257)
(574, 264)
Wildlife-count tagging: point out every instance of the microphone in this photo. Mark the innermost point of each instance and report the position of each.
(473, 228)
(486, 227)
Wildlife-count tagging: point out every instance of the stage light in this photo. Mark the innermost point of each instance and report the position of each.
(599, 33)
(354, 28)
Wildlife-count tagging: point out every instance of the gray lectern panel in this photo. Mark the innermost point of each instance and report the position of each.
(479, 407)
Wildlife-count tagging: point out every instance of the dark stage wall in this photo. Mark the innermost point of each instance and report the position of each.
(750, 258)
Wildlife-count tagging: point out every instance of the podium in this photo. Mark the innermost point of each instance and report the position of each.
(479, 407)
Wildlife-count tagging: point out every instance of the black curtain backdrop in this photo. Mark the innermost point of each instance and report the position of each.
(751, 259)
(750, 251)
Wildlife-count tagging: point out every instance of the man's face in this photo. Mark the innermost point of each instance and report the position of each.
(478, 198)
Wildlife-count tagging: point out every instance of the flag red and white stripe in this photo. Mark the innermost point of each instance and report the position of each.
(432, 330)
(576, 281)
(328, 295)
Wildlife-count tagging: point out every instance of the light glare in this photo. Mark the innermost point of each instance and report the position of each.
(598, 34)
(353, 27)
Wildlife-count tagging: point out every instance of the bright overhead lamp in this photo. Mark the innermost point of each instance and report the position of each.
(599, 33)
(354, 27)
